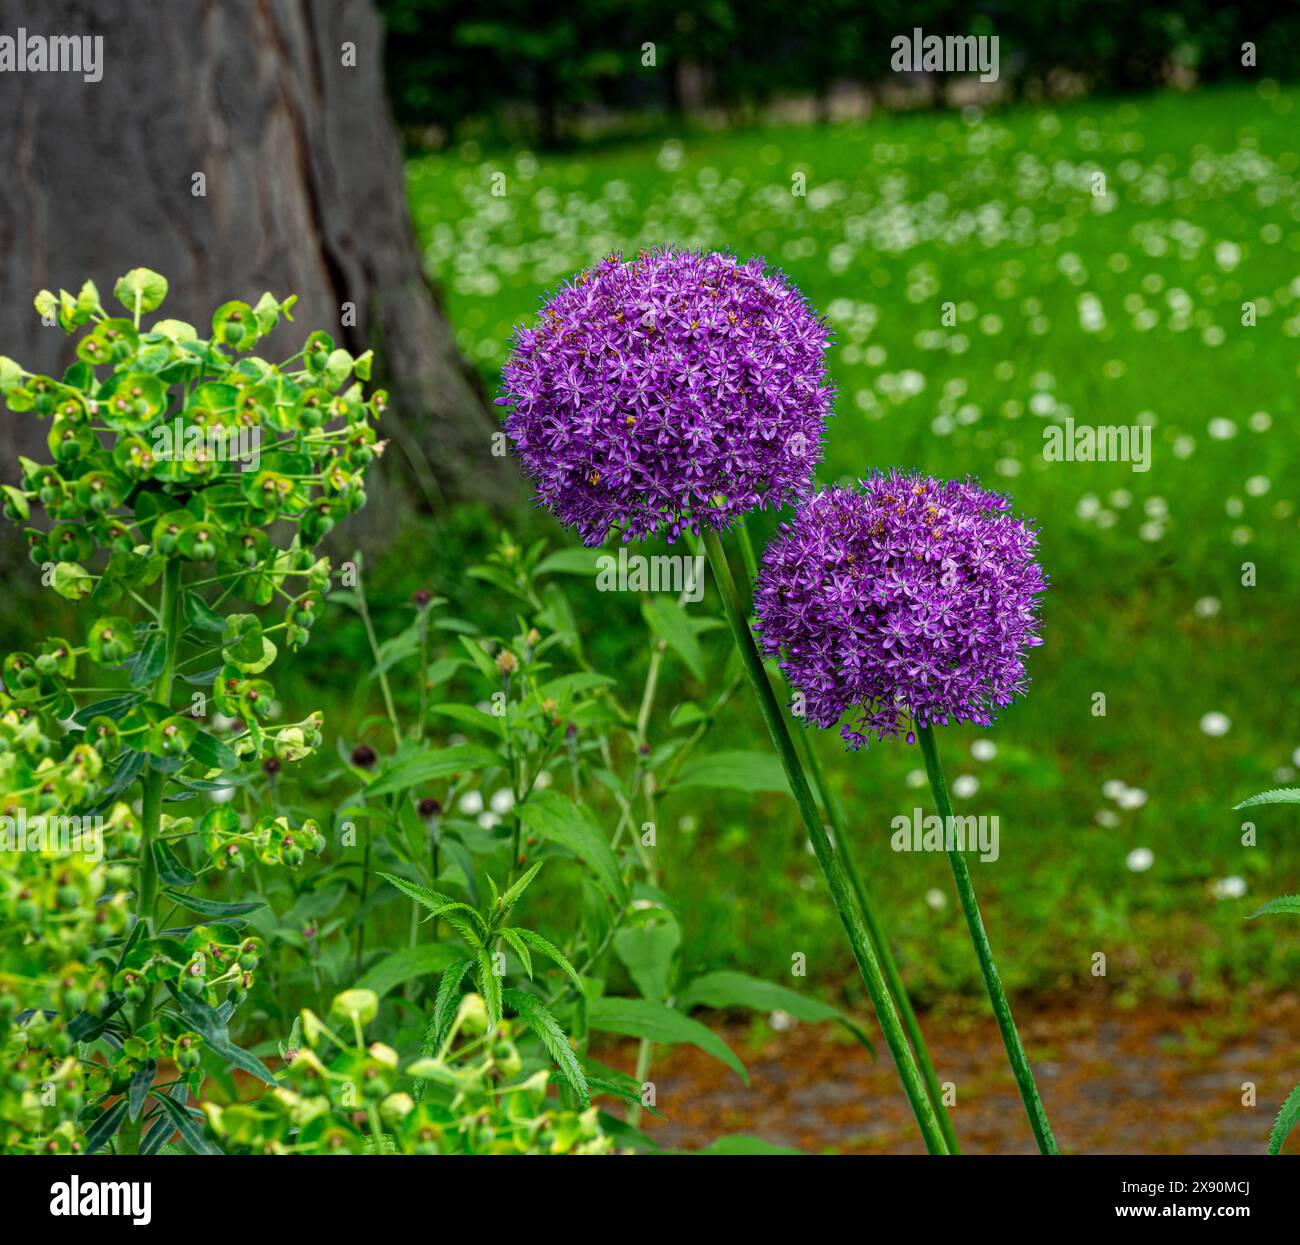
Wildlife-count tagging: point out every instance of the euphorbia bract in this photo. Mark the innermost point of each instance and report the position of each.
(187, 485)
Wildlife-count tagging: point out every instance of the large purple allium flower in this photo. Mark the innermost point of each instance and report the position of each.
(673, 389)
(909, 603)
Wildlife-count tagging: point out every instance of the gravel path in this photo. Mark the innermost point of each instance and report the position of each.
(1152, 1080)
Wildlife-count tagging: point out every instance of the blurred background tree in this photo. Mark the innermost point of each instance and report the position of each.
(527, 72)
(235, 148)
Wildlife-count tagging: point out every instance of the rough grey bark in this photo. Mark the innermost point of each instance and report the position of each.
(304, 194)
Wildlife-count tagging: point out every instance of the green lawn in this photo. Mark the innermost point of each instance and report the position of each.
(1117, 308)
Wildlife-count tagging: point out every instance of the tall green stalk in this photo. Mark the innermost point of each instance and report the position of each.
(974, 922)
(875, 927)
(880, 941)
(153, 785)
(831, 868)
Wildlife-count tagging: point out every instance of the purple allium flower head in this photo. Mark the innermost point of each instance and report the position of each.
(669, 390)
(911, 602)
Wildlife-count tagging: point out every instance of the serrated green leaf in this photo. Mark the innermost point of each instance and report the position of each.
(552, 815)
(1285, 1122)
(489, 986)
(1278, 795)
(459, 915)
(511, 897)
(520, 948)
(624, 1092)
(552, 953)
(1282, 904)
(444, 1006)
(542, 1023)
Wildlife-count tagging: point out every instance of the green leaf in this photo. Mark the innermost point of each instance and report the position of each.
(731, 989)
(520, 948)
(101, 1131)
(625, 1091)
(470, 715)
(489, 986)
(542, 1023)
(435, 901)
(746, 1145)
(148, 663)
(485, 664)
(199, 615)
(1284, 903)
(436, 763)
(511, 897)
(552, 815)
(647, 952)
(211, 907)
(643, 1018)
(572, 562)
(170, 869)
(141, 289)
(141, 1083)
(211, 753)
(669, 622)
(1285, 1122)
(686, 714)
(72, 581)
(444, 1006)
(405, 965)
(188, 1127)
(1278, 795)
(738, 771)
(201, 1018)
(552, 953)
(10, 374)
(472, 926)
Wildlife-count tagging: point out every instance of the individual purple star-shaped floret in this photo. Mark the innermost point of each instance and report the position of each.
(910, 602)
(675, 389)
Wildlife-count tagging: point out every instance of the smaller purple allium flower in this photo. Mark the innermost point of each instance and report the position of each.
(674, 389)
(908, 603)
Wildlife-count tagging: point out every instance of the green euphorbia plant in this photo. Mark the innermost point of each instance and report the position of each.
(187, 484)
(340, 1095)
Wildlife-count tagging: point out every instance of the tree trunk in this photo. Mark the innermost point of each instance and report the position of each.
(279, 104)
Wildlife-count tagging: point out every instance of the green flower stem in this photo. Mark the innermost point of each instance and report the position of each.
(153, 785)
(880, 941)
(875, 928)
(363, 608)
(842, 896)
(997, 995)
(154, 782)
